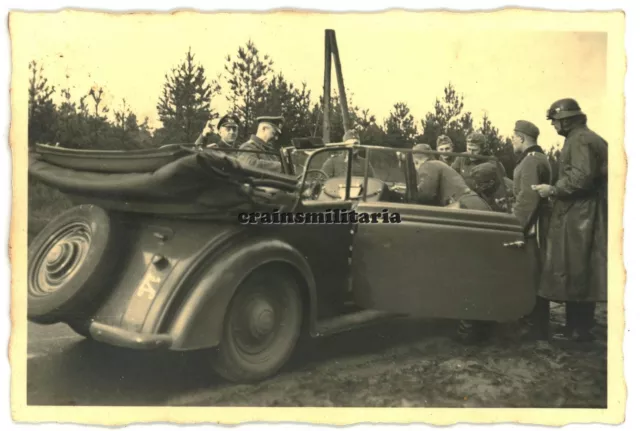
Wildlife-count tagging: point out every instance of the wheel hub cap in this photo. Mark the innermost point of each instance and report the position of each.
(262, 319)
(61, 259)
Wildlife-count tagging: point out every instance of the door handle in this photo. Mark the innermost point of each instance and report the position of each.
(514, 244)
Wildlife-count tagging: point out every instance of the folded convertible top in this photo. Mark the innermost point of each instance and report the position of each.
(181, 177)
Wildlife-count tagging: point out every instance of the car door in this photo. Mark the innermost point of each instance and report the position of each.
(443, 263)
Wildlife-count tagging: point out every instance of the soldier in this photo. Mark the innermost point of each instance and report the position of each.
(227, 131)
(337, 166)
(532, 167)
(445, 145)
(575, 267)
(485, 181)
(476, 145)
(269, 128)
(438, 183)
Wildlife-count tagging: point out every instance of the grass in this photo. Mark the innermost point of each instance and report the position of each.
(45, 203)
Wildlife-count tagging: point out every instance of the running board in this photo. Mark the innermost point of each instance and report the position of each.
(349, 321)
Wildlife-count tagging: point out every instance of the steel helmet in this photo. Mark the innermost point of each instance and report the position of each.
(564, 108)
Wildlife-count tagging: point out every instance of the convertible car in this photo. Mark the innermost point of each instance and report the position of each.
(153, 255)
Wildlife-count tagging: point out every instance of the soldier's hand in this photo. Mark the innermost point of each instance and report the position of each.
(544, 190)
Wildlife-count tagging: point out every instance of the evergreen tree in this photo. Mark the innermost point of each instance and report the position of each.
(448, 118)
(185, 104)
(248, 80)
(399, 127)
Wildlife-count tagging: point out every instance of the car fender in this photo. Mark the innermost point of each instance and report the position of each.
(198, 323)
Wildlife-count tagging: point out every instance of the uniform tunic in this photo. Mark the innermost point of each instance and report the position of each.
(576, 261)
(261, 160)
(439, 184)
(530, 209)
(464, 165)
(532, 168)
(219, 143)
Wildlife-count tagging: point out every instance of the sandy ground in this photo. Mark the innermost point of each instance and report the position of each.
(405, 362)
(438, 372)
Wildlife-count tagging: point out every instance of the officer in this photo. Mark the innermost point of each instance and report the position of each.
(445, 145)
(533, 212)
(269, 128)
(438, 183)
(575, 267)
(337, 166)
(227, 132)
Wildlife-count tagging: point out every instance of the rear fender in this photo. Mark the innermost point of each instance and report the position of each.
(198, 322)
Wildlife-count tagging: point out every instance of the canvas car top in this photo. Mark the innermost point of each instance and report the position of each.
(183, 180)
(111, 161)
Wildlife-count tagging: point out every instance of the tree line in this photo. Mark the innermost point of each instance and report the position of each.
(251, 87)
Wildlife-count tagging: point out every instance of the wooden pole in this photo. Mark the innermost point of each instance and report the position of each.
(326, 124)
(346, 122)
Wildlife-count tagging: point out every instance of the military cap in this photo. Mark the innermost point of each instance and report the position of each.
(484, 173)
(422, 147)
(351, 134)
(275, 121)
(527, 127)
(229, 120)
(443, 140)
(476, 138)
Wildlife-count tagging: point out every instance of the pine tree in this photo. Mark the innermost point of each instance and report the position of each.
(448, 118)
(248, 80)
(185, 104)
(283, 98)
(399, 126)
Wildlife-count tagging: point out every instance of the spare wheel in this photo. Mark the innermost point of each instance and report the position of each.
(71, 261)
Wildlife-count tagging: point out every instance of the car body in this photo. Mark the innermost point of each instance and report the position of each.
(181, 276)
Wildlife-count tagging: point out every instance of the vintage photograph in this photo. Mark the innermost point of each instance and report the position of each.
(297, 209)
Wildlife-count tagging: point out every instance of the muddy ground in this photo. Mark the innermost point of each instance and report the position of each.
(432, 371)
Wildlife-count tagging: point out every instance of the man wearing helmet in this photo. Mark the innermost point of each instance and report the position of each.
(575, 267)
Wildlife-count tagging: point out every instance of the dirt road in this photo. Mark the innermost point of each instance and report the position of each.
(401, 363)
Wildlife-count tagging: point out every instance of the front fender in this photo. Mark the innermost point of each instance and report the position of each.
(198, 323)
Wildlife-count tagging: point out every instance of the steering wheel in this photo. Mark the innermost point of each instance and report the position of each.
(313, 183)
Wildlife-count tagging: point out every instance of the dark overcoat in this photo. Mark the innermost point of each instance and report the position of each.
(575, 267)
(266, 159)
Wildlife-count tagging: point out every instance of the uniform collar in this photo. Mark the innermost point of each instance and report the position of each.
(225, 144)
(261, 143)
(529, 150)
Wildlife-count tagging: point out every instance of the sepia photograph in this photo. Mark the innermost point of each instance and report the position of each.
(302, 209)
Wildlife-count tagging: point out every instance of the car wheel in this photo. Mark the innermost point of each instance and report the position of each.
(70, 263)
(261, 328)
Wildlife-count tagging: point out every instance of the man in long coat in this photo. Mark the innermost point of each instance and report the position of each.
(575, 269)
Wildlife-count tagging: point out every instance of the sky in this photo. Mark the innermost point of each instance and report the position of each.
(504, 67)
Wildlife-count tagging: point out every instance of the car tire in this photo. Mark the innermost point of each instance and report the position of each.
(70, 264)
(261, 328)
